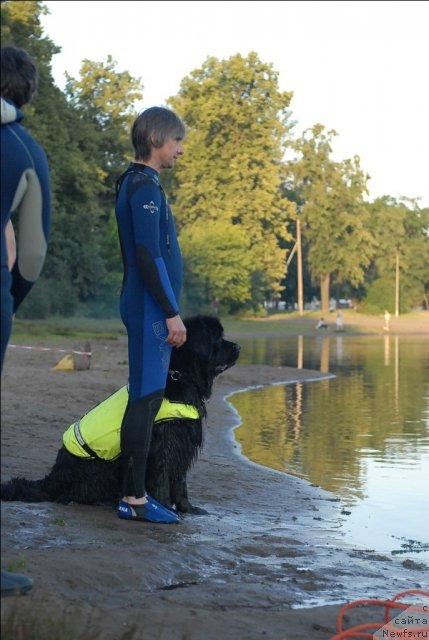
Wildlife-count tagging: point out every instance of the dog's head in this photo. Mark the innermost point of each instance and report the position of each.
(204, 356)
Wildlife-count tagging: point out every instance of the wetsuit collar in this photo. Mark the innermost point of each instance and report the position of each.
(10, 113)
(137, 166)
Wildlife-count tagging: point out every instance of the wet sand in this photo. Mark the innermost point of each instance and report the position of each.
(266, 562)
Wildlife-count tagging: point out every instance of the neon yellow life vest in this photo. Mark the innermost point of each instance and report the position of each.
(100, 428)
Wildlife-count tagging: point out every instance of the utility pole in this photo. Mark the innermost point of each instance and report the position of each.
(300, 287)
(297, 248)
(397, 286)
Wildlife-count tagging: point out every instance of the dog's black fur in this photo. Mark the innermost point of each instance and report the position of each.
(174, 445)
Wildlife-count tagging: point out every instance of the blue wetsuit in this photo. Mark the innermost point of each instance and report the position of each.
(150, 293)
(25, 192)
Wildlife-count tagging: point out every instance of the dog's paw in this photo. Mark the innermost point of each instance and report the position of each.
(198, 511)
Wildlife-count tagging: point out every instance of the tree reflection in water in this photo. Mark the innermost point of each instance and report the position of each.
(362, 435)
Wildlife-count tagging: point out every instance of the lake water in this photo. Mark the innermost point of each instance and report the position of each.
(363, 434)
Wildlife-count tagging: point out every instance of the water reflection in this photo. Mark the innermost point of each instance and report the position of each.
(362, 435)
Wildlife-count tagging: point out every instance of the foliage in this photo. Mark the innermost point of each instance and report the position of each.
(218, 264)
(20, 26)
(333, 212)
(235, 198)
(238, 127)
(401, 231)
(38, 304)
(105, 98)
(85, 136)
(380, 295)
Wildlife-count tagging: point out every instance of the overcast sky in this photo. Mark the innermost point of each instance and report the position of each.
(358, 67)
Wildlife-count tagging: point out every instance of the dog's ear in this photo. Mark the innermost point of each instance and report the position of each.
(203, 333)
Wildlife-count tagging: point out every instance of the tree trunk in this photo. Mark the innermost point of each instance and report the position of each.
(324, 293)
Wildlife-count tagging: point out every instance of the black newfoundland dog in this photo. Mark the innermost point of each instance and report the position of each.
(177, 435)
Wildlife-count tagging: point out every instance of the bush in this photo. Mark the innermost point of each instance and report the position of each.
(380, 295)
(37, 305)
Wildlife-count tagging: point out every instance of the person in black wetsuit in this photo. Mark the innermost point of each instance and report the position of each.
(25, 194)
(25, 189)
(149, 301)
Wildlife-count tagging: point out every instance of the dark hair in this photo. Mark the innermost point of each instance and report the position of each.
(152, 128)
(19, 77)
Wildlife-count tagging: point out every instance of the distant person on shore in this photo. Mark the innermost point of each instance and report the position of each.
(26, 194)
(321, 324)
(386, 320)
(339, 322)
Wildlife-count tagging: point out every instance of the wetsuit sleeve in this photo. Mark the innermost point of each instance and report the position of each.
(147, 206)
(33, 211)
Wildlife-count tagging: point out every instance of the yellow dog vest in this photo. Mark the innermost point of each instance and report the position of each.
(100, 428)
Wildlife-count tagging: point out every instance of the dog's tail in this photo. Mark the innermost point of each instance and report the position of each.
(23, 490)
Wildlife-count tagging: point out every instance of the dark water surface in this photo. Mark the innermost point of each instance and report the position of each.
(363, 434)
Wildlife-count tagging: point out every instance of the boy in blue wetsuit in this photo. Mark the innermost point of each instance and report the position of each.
(149, 302)
(25, 193)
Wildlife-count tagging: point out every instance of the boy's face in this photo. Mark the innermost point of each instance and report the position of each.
(167, 155)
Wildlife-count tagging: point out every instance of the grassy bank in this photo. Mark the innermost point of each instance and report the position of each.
(305, 324)
(291, 323)
(57, 329)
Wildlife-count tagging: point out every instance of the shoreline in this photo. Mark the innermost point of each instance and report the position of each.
(258, 565)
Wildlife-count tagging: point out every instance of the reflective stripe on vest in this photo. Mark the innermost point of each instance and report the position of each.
(98, 433)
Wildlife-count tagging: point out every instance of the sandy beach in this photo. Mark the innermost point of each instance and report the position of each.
(266, 562)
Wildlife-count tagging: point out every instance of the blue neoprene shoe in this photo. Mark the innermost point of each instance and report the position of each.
(161, 506)
(148, 512)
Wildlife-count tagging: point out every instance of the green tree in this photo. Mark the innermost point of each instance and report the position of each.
(85, 135)
(401, 266)
(238, 127)
(57, 128)
(106, 98)
(217, 265)
(20, 27)
(333, 212)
